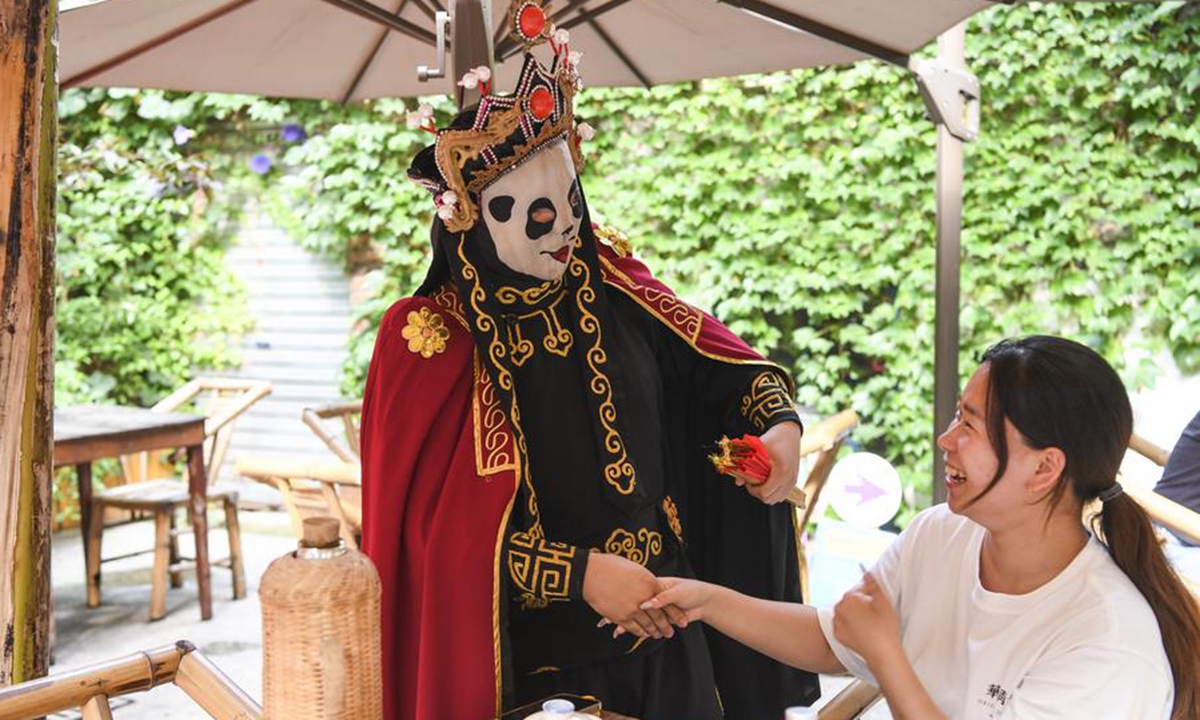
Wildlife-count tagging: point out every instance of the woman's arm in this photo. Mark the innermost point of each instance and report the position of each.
(787, 632)
(865, 621)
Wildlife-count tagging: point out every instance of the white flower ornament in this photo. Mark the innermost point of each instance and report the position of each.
(445, 204)
(476, 77)
(420, 117)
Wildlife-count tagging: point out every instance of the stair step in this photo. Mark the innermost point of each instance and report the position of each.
(309, 306)
(300, 288)
(305, 324)
(300, 304)
(287, 341)
(321, 377)
(254, 356)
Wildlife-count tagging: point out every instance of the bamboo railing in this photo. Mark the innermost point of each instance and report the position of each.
(90, 688)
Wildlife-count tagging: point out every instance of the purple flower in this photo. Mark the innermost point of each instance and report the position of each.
(292, 133)
(182, 135)
(261, 163)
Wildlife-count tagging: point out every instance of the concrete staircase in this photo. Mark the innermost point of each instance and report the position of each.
(300, 304)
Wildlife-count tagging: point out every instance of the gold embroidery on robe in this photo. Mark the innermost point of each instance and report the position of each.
(519, 348)
(615, 239)
(541, 570)
(638, 548)
(766, 398)
(672, 513)
(510, 295)
(493, 442)
(448, 300)
(618, 472)
(426, 333)
(683, 316)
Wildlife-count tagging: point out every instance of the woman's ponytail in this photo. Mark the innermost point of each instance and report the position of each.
(1134, 547)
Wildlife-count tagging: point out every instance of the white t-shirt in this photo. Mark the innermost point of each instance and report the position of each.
(1084, 645)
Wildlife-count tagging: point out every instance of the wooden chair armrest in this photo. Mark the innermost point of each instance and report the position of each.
(824, 434)
(1148, 450)
(265, 467)
(338, 408)
(257, 392)
(312, 418)
(1168, 513)
(850, 702)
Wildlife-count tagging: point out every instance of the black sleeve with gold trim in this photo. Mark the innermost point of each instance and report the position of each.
(766, 402)
(543, 571)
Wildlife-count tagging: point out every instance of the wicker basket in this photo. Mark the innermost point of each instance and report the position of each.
(320, 609)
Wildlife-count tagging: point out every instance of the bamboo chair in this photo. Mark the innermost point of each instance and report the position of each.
(312, 489)
(337, 426)
(221, 401)
(852, 701)
(1162, 510)
(346, 414)
(821, 441)
(90, 688)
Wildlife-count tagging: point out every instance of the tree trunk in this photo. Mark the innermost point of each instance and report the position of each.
(28, 136)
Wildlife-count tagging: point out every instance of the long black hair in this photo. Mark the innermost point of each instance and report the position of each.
(1059, 393)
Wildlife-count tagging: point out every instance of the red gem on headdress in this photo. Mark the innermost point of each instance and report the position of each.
(531, 21)
(541, 103)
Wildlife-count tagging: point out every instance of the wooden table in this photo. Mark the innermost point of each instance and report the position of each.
(85, 433)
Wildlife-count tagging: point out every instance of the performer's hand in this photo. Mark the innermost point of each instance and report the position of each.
(865, 621)
(783, 445)
(683, 599)
(616, 587)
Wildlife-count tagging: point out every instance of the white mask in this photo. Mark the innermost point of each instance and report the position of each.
(534, 213)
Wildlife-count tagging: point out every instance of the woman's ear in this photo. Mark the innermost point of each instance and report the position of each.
(1050, 466)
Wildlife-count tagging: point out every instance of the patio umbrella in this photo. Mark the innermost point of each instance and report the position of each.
(349, 50)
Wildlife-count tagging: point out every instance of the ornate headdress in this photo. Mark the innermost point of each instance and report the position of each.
(506, 129)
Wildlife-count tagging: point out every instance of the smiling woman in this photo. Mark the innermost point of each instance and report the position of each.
(1001, 601)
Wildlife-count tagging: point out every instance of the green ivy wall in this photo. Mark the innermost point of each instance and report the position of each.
(797, 206)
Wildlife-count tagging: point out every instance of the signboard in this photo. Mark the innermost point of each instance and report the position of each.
(864, 490)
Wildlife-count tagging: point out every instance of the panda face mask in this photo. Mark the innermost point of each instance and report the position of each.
(534, 213)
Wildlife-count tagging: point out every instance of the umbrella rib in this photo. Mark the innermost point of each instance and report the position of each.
(362, 70)
(429, 13)
(821, 30)
(619, 53)
(378, 15)
(146, 47)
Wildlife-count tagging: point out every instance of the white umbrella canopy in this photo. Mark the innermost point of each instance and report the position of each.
(349, 50)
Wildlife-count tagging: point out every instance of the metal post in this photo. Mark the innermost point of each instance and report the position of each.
(471, 45)
(949, 229)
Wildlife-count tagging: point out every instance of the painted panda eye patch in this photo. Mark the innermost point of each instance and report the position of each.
(575, 199)
(541, 218)
(501, 207)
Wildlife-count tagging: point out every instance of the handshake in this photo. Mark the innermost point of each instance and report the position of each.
(630, 597)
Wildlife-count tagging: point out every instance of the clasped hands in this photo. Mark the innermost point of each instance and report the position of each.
(617, 589)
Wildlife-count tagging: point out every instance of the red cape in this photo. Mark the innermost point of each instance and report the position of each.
(439, 478)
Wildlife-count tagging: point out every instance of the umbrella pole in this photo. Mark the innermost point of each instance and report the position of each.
(951, 94)
(471, 44)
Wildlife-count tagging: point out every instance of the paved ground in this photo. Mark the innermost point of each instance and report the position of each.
(232, 639)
